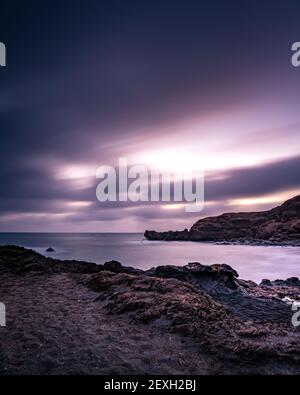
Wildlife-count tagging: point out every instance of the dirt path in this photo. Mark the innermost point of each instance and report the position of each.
(55, 327)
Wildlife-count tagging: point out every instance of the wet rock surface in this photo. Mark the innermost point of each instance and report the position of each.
(87, 318)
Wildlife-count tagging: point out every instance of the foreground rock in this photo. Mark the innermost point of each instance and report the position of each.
(77, 317)
(281, 225)
(19, 260)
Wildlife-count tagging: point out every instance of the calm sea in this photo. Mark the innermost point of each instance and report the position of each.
(131, 249)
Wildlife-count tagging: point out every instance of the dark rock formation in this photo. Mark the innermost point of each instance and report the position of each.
(244, 329)
(50, 249)
(291, 281)
(20, 260)
(236, 326)
(167, 236)
(113, 266)
(208, 276)
(280, 225)
(245, 299)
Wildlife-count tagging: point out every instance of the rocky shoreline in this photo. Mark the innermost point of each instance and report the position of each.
(186, 235)
(278, 226)
(66, 317)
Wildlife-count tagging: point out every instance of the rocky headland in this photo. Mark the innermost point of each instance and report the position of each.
(66, 317)
(279, 226)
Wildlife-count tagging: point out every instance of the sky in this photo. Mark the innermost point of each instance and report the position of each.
(157, 82)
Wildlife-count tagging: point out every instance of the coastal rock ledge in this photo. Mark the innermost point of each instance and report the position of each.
(280, 225)
(67, 317)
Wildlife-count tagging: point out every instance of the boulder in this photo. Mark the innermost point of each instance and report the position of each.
(113, 266)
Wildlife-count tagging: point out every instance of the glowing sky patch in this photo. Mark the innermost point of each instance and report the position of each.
(127, 81)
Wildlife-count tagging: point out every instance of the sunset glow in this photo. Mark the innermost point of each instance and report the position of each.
(276, 198)
(158, 94)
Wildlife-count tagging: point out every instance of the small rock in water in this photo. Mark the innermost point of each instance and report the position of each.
(50, 249)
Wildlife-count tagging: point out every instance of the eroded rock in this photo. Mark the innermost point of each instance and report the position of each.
(279, 226)
(238, 326)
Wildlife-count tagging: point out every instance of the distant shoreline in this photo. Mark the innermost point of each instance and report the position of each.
(278, 226)
(256, 243)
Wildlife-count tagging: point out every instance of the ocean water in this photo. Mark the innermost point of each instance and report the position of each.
(131, 249)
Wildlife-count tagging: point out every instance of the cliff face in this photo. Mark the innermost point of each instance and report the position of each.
(278, 225)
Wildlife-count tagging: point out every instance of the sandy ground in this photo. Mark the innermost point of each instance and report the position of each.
(54, 326)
